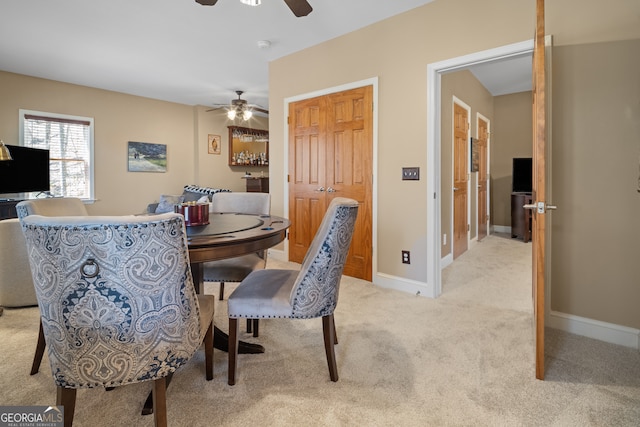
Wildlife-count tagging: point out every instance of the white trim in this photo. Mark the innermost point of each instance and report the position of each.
(446, 261)
(501, 229)
(590, 328)
(373, 81)
(23, 112)
(401, 284)
(434, 73)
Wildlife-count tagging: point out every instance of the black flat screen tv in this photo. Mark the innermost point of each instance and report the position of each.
(522, 174)
(28, 171)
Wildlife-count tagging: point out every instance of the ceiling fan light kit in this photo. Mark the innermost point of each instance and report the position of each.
(251, 2)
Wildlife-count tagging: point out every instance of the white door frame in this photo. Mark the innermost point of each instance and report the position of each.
(434, 77)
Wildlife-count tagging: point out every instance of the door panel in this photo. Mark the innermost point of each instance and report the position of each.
(539, 186)
(460, 179)
(331, 155)
(483, 202)
(307, 158)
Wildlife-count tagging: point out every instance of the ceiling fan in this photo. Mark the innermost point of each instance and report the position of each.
(298, 7)
(240, 108)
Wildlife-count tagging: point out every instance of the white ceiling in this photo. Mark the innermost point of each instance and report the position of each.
(177, 50)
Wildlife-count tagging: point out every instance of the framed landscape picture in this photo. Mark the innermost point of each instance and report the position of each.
(214, 144)
(146, 157)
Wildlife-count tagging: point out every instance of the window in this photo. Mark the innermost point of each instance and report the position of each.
(69, 140)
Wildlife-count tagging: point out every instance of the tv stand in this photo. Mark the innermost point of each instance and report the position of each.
(521, 217)
(8, 208)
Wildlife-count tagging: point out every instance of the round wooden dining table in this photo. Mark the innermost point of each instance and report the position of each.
(230, 235)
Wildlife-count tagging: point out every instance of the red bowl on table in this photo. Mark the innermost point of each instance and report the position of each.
(194, 213)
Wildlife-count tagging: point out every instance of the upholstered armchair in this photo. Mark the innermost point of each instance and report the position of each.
(52, 206)
(16, 286)
(308, 293)
(117, 302)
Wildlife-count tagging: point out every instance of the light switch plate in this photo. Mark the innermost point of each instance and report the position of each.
(410, 174)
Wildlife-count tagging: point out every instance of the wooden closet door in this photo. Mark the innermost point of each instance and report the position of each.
(349, 168)
(307, 169)
(331, 155)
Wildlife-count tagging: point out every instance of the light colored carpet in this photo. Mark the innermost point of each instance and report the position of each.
(464, 359)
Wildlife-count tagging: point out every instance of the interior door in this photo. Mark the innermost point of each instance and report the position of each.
(331, 155)
(460, 179)
(539, 206)
(483, 201)
(350, 168)
(307, 159)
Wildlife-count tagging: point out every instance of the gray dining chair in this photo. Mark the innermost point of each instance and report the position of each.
(307, 293)
(50, 206)
(117, 302)
(236, 269)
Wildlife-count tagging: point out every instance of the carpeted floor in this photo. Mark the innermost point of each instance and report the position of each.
(464, 359)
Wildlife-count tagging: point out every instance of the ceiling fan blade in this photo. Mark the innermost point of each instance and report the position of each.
(260, 110)
(299, 7)
(207, 2)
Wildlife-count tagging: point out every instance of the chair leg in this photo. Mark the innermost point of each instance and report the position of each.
(221, 291)
(37, 357)
(335, 333)
(233, 350)
(66, 397)
(328, 328)
(160, 402)
(208, 352)
(256, 328)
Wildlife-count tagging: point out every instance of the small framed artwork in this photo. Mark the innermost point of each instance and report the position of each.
(214, 144)
(146, 157)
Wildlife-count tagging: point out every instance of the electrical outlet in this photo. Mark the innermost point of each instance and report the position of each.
(406, 257)
(444, 239)
(410, 174)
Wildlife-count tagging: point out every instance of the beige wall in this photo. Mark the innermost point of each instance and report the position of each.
(464, 86)
(119, 118)
(511, 137)
(397, 52)
(595, 122)
(595, 154)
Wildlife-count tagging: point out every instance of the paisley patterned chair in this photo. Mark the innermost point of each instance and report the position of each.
(117, 302)
(308, 293)
(52, 206)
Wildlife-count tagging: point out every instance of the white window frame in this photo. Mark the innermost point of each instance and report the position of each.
(23, 113)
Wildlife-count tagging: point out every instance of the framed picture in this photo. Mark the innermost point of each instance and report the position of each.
(146, 157)
(214, 144)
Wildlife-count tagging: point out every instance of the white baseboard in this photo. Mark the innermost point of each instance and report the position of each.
(603, 331)
(277, 255)
(402, 284)
(501, 229)
(446, 261)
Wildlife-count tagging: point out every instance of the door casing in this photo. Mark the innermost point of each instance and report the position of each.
(434, 73)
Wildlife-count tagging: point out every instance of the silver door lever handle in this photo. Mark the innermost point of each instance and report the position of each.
(321, 189)
(531, 206)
